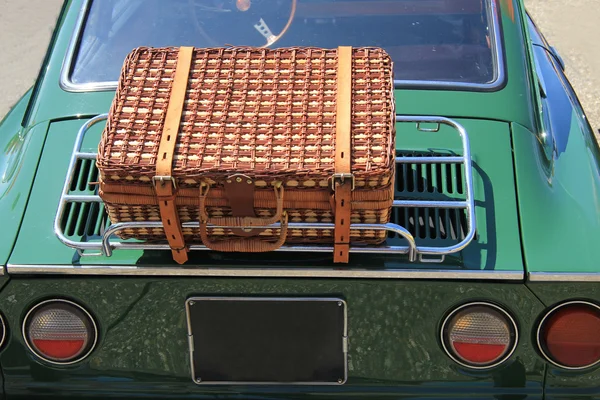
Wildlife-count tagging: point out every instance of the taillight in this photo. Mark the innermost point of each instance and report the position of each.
(60, 332)
(569, 335)
(479, 335)
(2, 331)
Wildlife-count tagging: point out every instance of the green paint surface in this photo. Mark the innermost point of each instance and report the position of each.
(20, 151)
(559, 204)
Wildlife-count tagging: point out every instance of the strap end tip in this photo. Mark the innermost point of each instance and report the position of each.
(180, 256)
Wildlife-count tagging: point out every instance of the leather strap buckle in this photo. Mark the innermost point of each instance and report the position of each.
(341, 179)
(162, 179)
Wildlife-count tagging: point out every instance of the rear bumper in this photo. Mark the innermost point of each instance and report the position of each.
(393, 330)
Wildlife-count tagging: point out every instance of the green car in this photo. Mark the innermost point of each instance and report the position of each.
(487, 286)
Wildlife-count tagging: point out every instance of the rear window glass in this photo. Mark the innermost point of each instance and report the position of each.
(430, 41)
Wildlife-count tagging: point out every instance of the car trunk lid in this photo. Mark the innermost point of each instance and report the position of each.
(497, 223)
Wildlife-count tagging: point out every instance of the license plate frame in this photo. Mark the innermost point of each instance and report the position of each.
(309, 329)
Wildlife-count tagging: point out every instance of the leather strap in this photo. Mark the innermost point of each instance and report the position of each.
(342, 181)
(164, 183)
(239, 190)
(242, 222)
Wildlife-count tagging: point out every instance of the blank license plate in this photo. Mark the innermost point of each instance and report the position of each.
(267, 340)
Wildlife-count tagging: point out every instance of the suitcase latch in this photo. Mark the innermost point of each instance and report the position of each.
(239, 190)
(341, 178)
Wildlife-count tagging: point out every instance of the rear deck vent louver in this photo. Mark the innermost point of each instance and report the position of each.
(85, 220)
(413, 181)
(433, 182)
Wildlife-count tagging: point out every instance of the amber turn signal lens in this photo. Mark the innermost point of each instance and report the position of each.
(569, 335)
(60, 331)
(479, 335)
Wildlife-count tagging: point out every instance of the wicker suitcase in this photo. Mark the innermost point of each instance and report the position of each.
(237, 138)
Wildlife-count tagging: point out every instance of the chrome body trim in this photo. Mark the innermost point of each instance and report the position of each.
(2, 330)
(485, 304)
(539, 331)
(499, 63)
(355, 273)
(65, 73)
(563, 277)
(494, 23)
(46, 360)
(65, 82)
(414, 252)
(342, 302)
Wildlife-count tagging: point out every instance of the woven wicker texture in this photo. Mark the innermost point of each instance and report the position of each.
(260, 112)
(190, 214)
(309, 205)
(268, 114)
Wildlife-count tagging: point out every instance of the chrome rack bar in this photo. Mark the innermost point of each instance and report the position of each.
(411, 249)
(65, 198)
(106, 246)
(465, 160)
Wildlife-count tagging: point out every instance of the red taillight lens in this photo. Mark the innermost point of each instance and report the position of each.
(569, 335)
(479, 335)
(60, 331)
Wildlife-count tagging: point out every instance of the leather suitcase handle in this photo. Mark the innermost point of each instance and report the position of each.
(241, 222)
(245, 245)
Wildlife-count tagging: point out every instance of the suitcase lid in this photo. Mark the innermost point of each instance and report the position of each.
(268, 114)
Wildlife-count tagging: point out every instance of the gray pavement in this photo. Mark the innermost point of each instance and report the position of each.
(572, 26)
(25, 31)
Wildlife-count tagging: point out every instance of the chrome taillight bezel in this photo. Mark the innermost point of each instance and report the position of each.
(3, 330)
(77, 307)
(541, 325)
(511, 323)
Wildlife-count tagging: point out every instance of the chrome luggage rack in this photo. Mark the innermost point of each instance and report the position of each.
(105, 243)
